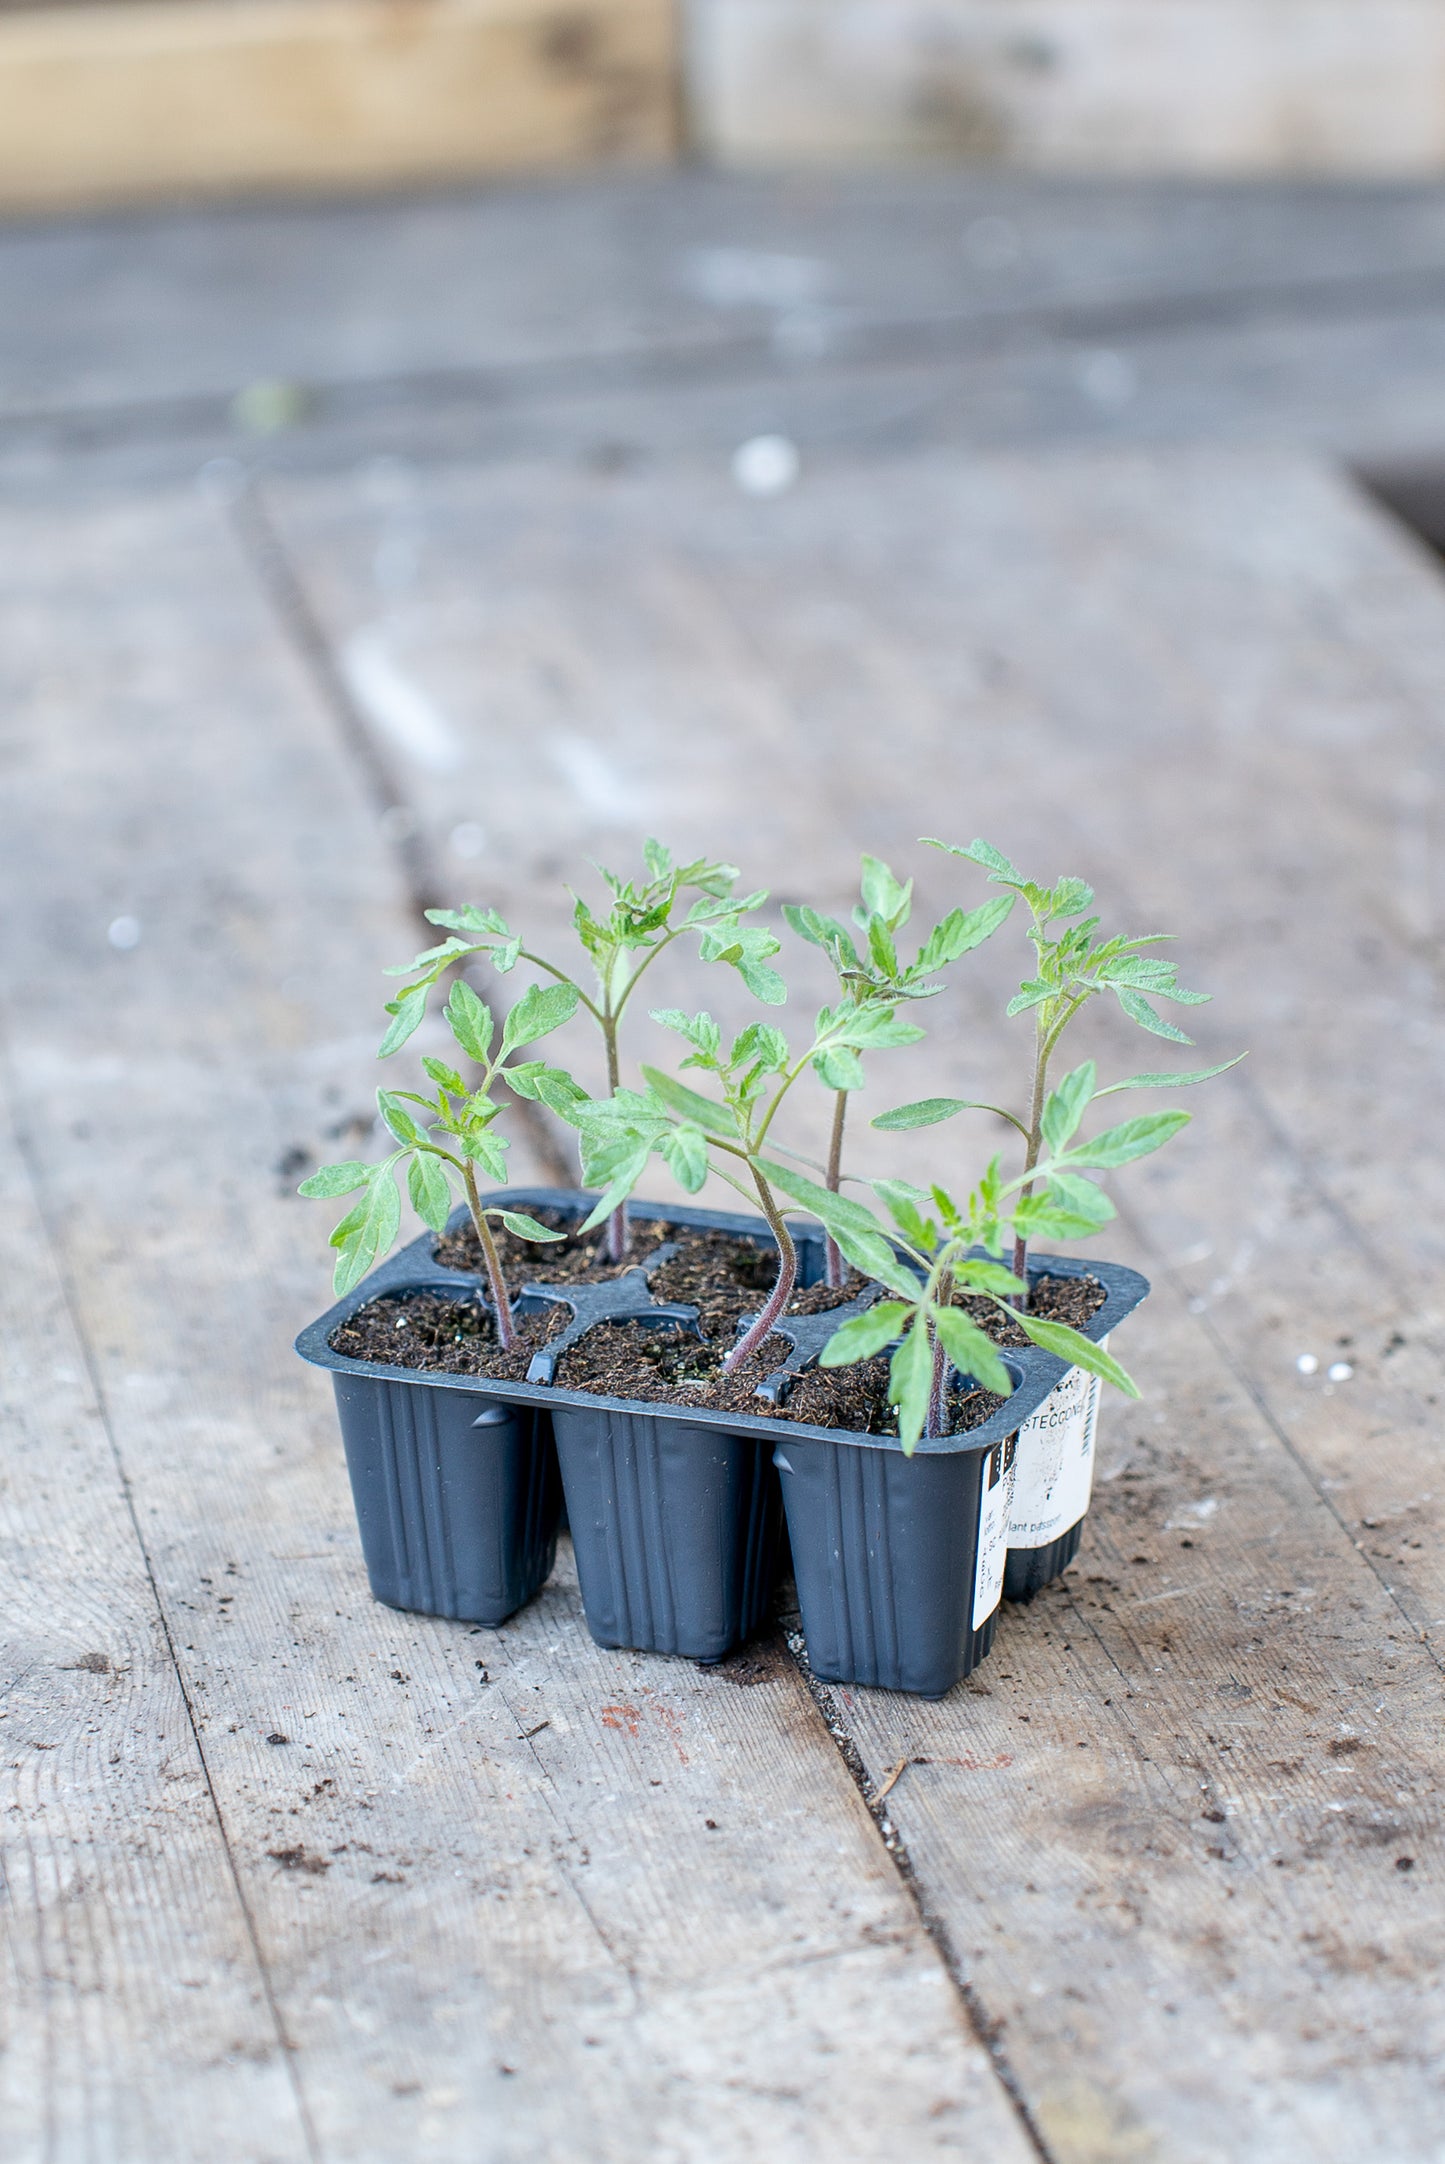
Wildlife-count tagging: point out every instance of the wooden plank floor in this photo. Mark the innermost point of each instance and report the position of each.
(1162, 1882)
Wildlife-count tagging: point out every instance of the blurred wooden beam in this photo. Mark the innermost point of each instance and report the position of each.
(115, 103)
(1134, 86)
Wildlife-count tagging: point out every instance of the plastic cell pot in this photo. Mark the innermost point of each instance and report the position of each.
(456, 1495)
(1054, 1460)
(674, 1511)
(899, 1562)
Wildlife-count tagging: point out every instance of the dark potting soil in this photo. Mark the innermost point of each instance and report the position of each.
(1056, 1299)
(442, 1335)
(671, 1366)
(549, 1262)
(725, 1278)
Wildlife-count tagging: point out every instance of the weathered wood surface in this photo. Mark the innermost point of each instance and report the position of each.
(511, 1896)
(1219, 667)
(859, 315)
(124, 1941)
(106, 104)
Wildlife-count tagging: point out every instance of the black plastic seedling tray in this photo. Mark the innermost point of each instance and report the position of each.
(674, 1510)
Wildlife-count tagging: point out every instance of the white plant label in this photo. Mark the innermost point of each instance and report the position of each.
(1054, 1465)
(993, 1530)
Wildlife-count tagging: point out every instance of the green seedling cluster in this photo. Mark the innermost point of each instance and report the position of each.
(928, 1252)
(642, 920)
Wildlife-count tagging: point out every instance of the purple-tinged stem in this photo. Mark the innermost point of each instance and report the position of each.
(496, 1282)
(782, 1292)
(835, 1271)
(937, 1423)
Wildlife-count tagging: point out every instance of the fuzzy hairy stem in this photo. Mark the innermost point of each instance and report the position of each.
(782, 1291)
(617, 1227)
(937, 1422)
(497, 1284)
(835, 1270)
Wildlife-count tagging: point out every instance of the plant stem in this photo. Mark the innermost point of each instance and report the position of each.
(936, 1423)
(617, 1230)
(497, 1284)
(1043, 1045)
(835, 1273)
(1046, 1036)
(782, 1291)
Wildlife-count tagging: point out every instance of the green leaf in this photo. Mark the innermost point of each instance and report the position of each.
(764, 983)
(433, 959)
(980, 1276)
(1066, 1105)
(854, 1230)
(431, 1197)
(881, 951)
(901, 1200)
(883, 896)
(972, 1350)
(819, 931)
(1082, 1197)
(979, 852)
(747, 947)
(541, 1009)
(700, 1030)
(1070, 898)
(470, 1022)
(340, 1179)
(961, 932)
(469, 918)
(685, 1153)
(553, 1086)
(863, 1335)
(1138, 1009)
(1171, 1081)
(447, 1077)
(365, 1233)
(873, 1025)
(406, 1016)
(1039, 1217)
(716, 1119)
(487, 1150)
(925, 1112)
(1066, 1344)
(628, 1173)
(401, 1123)
(1032, 994)
(523, 1227)
(762, 1043)
(839, 1069)
(910, 1380)
(1130, 1139)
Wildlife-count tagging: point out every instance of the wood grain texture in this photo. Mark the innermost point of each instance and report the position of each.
(134, 2015)
(1182, 1831)
(1218, 86)
(104, 104)
(514, 1896)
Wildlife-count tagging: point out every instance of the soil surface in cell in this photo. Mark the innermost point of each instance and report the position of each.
(575, 1257)
(1056, 1299)
(669, 1365)
(443, 1335)
(726, 1279)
